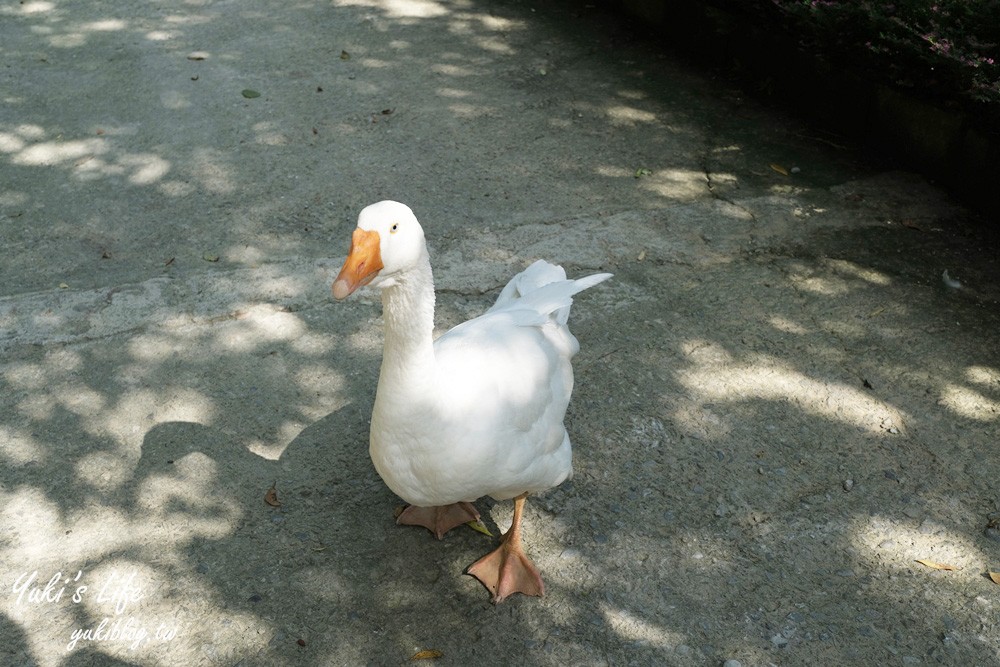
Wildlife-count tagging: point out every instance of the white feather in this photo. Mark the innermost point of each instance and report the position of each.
(480, 410)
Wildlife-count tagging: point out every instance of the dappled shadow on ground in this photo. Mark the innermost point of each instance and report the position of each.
(763, 342)
(826, 419)
(152, 144)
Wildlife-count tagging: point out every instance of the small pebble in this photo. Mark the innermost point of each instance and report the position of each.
(732, 663)
(779, 641)
(848, 484)
(927, 527)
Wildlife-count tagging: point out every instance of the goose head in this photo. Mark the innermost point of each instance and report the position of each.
(387, 243)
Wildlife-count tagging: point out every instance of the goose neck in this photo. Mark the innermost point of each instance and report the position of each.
(408, 314)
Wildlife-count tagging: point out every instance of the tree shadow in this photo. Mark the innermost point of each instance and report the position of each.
(764, 341)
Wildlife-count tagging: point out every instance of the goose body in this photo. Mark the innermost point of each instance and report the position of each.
(480, 410)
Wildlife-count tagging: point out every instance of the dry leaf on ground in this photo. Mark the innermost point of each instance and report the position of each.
(937, 566)
(429, 654)
(479, 527)
(271, 497)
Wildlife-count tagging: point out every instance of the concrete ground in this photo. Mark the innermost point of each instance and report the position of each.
(782, 402)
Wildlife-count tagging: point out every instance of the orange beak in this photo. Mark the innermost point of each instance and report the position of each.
(363, 263)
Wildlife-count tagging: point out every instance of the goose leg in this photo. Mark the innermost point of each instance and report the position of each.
(508, 569)
(438, 520)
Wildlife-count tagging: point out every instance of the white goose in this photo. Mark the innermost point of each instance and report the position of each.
(480, 410)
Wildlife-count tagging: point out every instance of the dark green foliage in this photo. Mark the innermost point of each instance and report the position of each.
(946, 48)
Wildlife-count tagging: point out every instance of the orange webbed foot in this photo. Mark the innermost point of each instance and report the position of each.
(439, 520)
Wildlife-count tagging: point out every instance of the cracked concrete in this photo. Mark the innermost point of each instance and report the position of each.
(780, 405)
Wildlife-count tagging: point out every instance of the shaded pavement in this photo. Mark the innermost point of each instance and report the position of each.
(781, 402)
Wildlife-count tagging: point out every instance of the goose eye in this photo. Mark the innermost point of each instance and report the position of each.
(394, 228)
